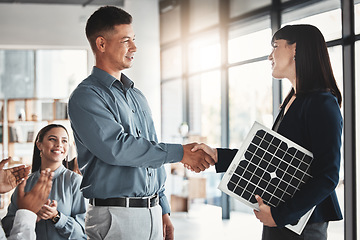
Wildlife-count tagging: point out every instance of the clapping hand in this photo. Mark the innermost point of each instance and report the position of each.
(11, 177)
(48, 210)
(37, 196)
(196, 160)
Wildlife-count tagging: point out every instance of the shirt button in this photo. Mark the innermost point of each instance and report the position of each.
(133, 111)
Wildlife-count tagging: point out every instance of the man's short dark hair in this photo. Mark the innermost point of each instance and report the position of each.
(103, 21)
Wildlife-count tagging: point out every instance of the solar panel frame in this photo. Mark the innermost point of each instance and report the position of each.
(271, 166)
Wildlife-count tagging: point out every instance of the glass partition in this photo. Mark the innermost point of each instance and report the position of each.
(58, 72)
(247, 46)
(203, 14)
(204, 53)
(357, 116)
(171, 63)
(250, 99)
(357, 17)
(205, 107)
(170, 27)
(171, 105)
(238, 8)
(321, 20)
(17, 68)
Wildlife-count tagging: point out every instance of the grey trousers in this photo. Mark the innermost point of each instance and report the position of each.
(312, 231)
(122, 223)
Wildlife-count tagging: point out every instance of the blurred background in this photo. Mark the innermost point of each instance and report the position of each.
(202, 64)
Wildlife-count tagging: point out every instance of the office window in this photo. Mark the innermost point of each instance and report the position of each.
(203, 14)
(17, 73)
(205, 107)
(322, 21)
(58, 72)
(357, 116)
(286, 87)
(249, 45)
(171, 63)
(171, 107)
(41, 73)
(250, 99)
(335, 54)
(170, 27)
(336, 229)
(204, 53)
(238, 8)
(357, 17)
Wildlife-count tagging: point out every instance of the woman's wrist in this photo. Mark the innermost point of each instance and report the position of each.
(56, 217)
(216, 155)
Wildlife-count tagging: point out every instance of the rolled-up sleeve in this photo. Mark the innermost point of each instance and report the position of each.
(97, 129)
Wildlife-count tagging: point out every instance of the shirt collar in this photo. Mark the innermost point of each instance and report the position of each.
(57, 172)
(108, 80)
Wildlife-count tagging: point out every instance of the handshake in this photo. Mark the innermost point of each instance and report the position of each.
(199, 157)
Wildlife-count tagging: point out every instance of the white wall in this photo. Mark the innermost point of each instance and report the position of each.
(29, 26)
(146, 69)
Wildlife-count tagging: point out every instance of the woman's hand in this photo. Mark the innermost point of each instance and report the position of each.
(264, 213)
(209, 150)
(212, 152)
(48, 211)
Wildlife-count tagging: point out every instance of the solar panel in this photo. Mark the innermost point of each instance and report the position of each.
(271, 166)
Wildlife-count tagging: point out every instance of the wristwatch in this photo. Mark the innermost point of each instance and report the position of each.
(56, 218)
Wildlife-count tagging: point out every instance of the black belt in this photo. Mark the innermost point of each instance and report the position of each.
(147, 202)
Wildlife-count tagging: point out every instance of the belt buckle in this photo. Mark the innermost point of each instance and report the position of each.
(127, 202)
(149, 202)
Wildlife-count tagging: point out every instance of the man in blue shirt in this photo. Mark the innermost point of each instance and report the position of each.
(118, 151)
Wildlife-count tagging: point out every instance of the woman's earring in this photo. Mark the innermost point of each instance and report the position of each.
(40, 153)
(294, 58)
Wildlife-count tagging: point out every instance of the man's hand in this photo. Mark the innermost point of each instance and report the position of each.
(198, 161)
(264, 213)
(168, 228)
(11, 177)
(37, 197)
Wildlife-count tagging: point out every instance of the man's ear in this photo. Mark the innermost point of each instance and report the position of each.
(100, 43)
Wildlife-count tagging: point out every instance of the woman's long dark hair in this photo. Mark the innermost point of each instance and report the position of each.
(313, 67)
(36, 160)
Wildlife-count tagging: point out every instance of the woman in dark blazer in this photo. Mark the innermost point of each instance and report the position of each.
(310, 116)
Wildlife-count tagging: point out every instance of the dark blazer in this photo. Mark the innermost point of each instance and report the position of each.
(313, 121)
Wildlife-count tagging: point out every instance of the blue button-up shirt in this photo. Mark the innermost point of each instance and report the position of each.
(118, 151)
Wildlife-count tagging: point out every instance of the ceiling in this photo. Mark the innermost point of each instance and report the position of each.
(70, 2)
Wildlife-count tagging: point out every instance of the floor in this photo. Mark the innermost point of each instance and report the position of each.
(203, 222)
